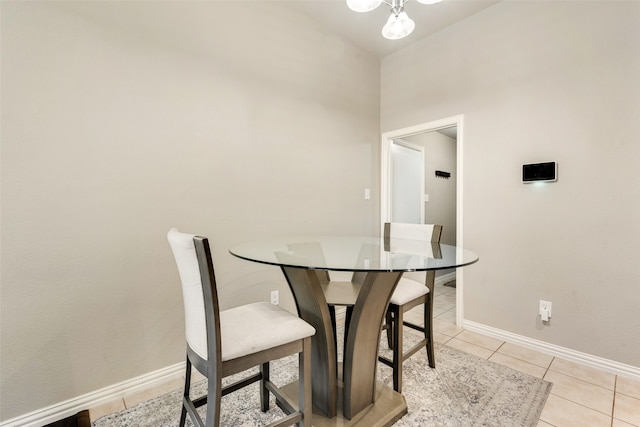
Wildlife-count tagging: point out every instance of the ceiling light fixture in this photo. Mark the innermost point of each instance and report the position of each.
(399, 24)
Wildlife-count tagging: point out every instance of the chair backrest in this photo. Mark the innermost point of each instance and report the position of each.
(417, 232)
(423, 232)
(199, 293)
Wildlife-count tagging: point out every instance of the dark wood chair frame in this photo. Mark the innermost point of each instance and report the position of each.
(215, 369)
(394, 322)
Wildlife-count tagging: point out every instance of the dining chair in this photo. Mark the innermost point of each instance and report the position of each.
(223, 343)
(419, 239)
(404, 238)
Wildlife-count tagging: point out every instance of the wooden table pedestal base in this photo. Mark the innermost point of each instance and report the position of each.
(389, 407)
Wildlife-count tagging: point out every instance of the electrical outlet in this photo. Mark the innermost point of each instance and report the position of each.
(545, 310)
(275, 297)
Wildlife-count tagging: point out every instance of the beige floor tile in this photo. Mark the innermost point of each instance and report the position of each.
(437, 312)
(448, 316)
(417, 310)
(582, 372)
(543, 424)
(440, 338)
(446, 328)
(584, 393)
(618, 423)
(415, 316)
(480, 340)
(469, 348)
(445, 298)
(526, 354)
(440, 309)
(561, 412)
(106, 409)
(627, 409)
(628, 387)
(518, 365)
(156, 391)
(448, 297)
(444, 290)
(196, 376)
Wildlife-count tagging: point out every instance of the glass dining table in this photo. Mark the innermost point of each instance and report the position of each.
(378, 264)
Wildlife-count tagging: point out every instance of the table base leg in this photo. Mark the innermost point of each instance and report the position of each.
(388, 408)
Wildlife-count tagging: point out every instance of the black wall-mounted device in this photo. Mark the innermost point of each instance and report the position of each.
(536, 172)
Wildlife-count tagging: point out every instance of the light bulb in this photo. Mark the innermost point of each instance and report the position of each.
(363, 5)
(398, 26)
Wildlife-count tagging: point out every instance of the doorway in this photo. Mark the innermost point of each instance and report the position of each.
(433, 199)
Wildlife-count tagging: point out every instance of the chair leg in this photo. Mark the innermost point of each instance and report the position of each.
(428, 329)
(304, 384)
(347, 322)
(389, 328)
(264, 391)
(213, 401)
(187, 387)
(397, 347)
(334, 326)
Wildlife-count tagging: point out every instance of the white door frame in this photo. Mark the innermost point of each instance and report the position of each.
(385, 189)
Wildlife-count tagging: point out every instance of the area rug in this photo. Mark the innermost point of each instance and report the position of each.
(463, 390)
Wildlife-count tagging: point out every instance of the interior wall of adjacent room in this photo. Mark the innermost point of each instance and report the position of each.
(541, 81)
(123, 119)
(439, 154)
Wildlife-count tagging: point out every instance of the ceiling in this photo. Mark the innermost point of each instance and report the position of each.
(363, 29)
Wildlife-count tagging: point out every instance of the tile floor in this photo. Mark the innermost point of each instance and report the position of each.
(581, 396)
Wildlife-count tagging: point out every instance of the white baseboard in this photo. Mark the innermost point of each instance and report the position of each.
(120, 390)
(556, 350)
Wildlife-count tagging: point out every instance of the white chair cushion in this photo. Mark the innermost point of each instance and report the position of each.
(184, 251)
(408, 290)
(422, 232)
(259, 326)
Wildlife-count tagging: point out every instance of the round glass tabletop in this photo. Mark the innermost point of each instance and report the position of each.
(354, 254)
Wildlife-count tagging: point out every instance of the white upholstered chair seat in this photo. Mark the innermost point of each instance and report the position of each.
(407, 290)
(259, 326)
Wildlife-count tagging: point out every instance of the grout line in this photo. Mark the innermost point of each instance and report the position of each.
(613, 403)
(581, 404)
(548, 368)
(497, 349)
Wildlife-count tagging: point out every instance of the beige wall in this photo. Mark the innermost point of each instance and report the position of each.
(123, 119)
(541, 81)
(439, 154)
(120, 120)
